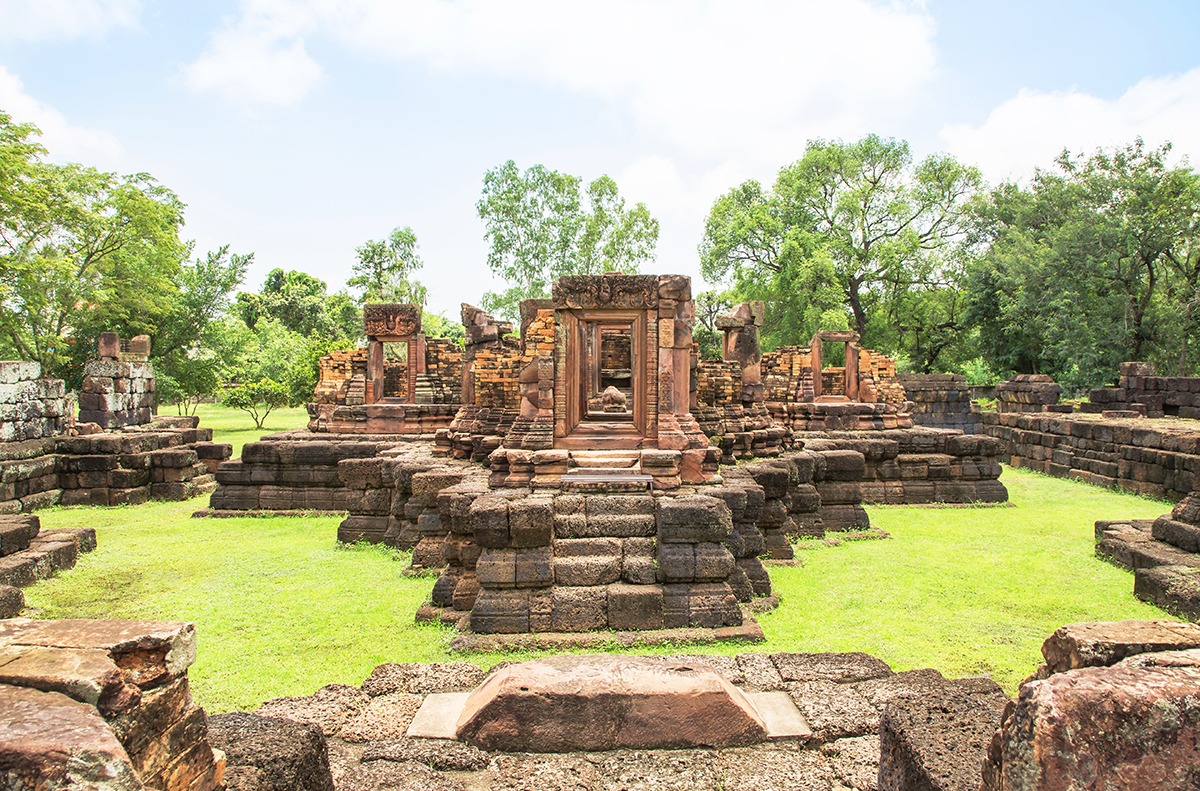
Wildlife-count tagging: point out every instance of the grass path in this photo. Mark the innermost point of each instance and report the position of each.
(280, 610)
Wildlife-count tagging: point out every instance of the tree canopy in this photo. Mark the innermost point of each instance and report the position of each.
(80, 249)
(853, 228)
(538, 229)
(384, 269)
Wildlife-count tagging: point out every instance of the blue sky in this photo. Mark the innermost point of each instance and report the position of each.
(297, 129)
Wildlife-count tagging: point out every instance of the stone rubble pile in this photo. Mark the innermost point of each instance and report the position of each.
(102, 705)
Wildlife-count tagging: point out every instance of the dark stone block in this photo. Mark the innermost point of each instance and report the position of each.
(291, 755)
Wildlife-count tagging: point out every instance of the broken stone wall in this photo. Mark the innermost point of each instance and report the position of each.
(941, 401)
(32, 407)
(1114, 453)
(118, 386)
(102, 705)
(1029, 393)
(1140, 390)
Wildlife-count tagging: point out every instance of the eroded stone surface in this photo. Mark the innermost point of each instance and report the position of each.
(569, 703)
(1105, 643)
(50, 742)
(1135, 724)
(290, 756)
(331, 708)
(938, 739)
(840, 668)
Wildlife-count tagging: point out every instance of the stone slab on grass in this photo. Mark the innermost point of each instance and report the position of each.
(606, 702)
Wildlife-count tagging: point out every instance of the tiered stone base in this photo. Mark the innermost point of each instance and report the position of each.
(915, 466)
(292, 471)
(172, 459)
(1164, 555)
(803, 416)
(475, 432)
(1155, 459)
(384, 418)
(29, 554)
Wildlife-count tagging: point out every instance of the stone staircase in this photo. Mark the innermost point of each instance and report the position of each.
(1164, 555)
(607, 470)
(29, 554)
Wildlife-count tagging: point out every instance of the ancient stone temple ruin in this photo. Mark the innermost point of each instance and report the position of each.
(401, 383)
(577, 477)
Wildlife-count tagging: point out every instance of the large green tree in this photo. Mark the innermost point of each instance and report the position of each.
(541, 224)
(81, 250)
(850, 225)
(1092, 263)
(384, 269)
(301, 304)
(190, 349)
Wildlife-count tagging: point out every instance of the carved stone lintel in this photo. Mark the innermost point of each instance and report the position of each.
(391, 320)
(606, 291)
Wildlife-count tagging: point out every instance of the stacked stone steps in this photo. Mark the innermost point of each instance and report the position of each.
(1164, 555)
(29, 554)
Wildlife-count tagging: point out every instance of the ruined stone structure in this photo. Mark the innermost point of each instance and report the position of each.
(1029, 393)
(102, 705)
(1163, 553)
(32, 407)
(402, 383)
(1154, 460)
(941, 401)
(1140, 392)
(47, 458)
(118, 386)
(29, 554)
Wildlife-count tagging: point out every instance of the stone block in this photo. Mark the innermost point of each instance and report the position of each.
(635, 607)
(292, 755)
(1134, 724)
(578, 609)
(939, 739)
(567, 703)
(531, 522)
(1099, 644)
(489, 521)
(691, 518)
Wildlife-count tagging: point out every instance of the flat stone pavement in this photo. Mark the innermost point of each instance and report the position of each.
(840, 695)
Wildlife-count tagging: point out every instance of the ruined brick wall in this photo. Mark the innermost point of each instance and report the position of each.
(941, 401)
(444, 366)
(1139, 389)
(787, 374)
(342, 377)
(118, 386)
(31, 407)
(497, 373)
(1028, 393)
(718, 383)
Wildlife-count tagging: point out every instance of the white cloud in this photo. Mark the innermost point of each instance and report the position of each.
(41, 20)
(260, 58)
(706, 76)
(1030, 129)
(64, 141)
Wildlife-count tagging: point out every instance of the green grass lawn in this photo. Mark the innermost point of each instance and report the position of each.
(237, 427)
(280, 610)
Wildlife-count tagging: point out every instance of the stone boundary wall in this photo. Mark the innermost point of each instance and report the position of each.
(1139, 390)
(172, 459)
(1151, 460)
(102, 705)
(941, 401)
(32, 407)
